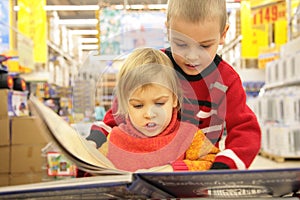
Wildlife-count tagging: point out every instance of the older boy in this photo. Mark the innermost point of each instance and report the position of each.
(196, 28)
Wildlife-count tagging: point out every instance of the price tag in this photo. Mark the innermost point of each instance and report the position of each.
(269, 13)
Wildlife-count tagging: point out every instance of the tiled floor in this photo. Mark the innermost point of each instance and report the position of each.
(266, 163)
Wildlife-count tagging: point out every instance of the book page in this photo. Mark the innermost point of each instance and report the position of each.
(76, 148)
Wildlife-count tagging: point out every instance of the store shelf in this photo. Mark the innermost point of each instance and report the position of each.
(60, 52)
(282, 84)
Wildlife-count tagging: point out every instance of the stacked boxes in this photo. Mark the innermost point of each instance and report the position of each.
(281, 140)
(283, 71)
(5, 111)
(26, 160)
(21, 141)
(278, 107)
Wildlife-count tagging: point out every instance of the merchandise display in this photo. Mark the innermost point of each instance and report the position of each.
(278, 106)
(59, 64)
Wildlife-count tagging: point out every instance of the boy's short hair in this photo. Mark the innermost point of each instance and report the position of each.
(198, 10)
(143, 68)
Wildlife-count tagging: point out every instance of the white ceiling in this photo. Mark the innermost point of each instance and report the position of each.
(91, 14)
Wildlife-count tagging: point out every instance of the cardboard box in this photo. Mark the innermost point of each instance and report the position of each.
(4, 99)
(19, 103)
(4, 179)
(27, 130)
(26, 178)
(13, 103)
(4, 159)
(4, 131)
(27, 158)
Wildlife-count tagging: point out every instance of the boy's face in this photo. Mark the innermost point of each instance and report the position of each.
(194, 45)
(150, 109)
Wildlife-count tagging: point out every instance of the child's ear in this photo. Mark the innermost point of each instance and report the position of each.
(167, 24)
(223, 35)
(175, 102)
(168, 30)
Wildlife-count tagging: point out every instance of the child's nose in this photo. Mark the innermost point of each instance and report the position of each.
(192, 55)
(149, 113)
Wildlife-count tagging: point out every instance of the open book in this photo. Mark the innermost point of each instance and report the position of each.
(110, 183)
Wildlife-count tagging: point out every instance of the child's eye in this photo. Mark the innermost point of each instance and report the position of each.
(160, 103)
(180, 45)
(205, 46)
(138, 106)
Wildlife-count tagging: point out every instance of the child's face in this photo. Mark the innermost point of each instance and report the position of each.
(194, 45)
(150, 109)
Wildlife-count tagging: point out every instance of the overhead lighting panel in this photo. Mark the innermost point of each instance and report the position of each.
(84, 32)
(78, 21)
(71, 8)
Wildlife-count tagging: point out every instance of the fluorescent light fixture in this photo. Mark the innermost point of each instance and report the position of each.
(84, 32)
(136, 7)
(96, 7)
(71, 8)
(88, 40)
(233, 6)
(66, 8)
(78, 22)
(89, 46)
(157, 6)
(140, 6)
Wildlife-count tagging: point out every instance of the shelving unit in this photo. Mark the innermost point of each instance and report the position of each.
(105, 89)
(278, 106)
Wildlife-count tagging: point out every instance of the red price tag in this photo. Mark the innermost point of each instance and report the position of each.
(269, 14)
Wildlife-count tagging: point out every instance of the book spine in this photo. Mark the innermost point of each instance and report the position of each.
(142, 187)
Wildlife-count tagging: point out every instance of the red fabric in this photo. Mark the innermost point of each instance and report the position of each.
(179, 166)
(132, 153)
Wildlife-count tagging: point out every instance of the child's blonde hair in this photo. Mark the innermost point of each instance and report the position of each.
(142, 68)
(197, 11)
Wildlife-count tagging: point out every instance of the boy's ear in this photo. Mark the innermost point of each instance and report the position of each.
(167, 24)
(223, 35)
(168, 31)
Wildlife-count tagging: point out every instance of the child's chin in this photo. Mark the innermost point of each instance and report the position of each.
(191, 71)
(151, 133)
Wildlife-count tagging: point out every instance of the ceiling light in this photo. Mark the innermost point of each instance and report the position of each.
(71, 8)
(157, 6)
(140, 7)
(78, 22)
(88, 40)
(84, 32)
(66, 8)
(89, 46)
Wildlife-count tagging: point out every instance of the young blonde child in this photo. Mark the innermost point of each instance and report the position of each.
(149, 100)
(217, 100)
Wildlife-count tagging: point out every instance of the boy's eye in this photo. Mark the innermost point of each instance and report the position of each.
(180, 44)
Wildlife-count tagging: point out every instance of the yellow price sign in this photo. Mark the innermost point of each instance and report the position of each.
(269, 13)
